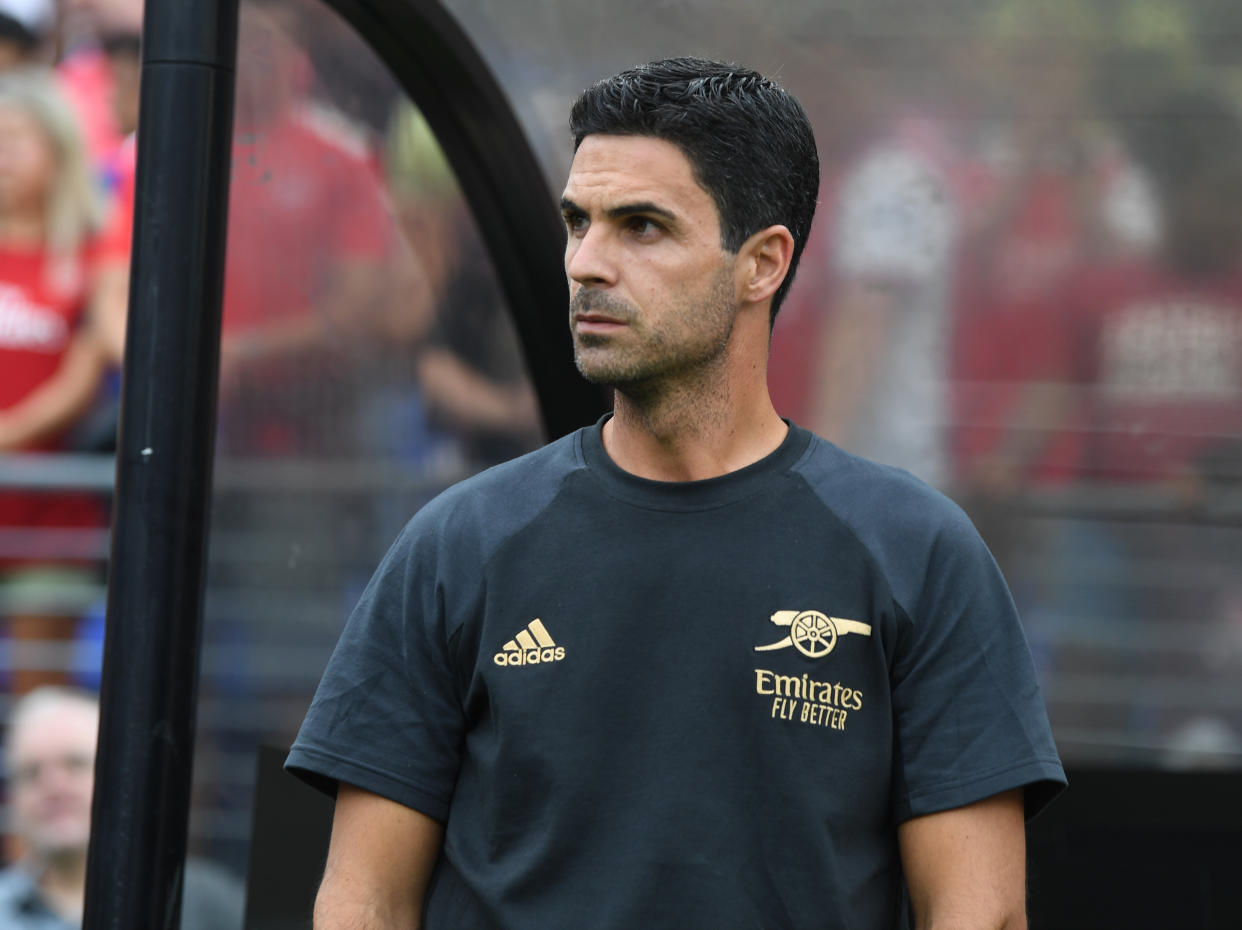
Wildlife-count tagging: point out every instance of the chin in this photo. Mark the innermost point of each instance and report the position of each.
(605, 376)
(61, 843)
(611, 371)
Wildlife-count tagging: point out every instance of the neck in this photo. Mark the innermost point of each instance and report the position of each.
(716, 420)
(63, 883)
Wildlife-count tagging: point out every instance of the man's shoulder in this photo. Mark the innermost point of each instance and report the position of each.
(503, 496)
(897, 516)
(840, 477)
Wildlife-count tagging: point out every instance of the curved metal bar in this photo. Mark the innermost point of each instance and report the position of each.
(437, 64)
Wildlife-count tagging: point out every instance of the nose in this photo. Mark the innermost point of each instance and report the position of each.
(588, 258)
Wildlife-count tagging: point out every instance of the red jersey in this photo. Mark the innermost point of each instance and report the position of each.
(1161, 357)
(305, 194)
(306, 199)
(42, 304)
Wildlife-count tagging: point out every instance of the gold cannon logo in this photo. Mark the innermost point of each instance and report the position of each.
(812, 633)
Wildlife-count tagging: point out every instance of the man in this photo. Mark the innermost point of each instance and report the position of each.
(50, 763)
(690, 667)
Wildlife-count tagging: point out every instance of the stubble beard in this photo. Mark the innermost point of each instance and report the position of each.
(682, 353)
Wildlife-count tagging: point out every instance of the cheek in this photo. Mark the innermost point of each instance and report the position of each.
(30, 167)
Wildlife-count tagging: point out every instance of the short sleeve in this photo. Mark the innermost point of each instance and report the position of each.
(895, 219)
(969, 716)
(387, 716)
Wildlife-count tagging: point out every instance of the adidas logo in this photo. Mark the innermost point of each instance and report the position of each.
(531, 646)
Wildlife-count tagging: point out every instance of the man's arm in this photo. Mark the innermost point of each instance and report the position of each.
(379, 862)
(966, 868)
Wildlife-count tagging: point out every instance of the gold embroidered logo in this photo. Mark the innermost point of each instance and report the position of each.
(812, 633)
(532, 646)
(803, 699)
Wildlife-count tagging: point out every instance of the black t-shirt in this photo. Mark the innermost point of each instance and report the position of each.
(681, 705)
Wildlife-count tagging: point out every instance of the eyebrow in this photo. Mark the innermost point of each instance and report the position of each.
(624, 210)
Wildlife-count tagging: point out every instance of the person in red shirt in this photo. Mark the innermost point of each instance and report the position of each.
(55, 274)
(310, 232)
(1152, 373)
(87, 76)
(1054, 190)
(1155, 346)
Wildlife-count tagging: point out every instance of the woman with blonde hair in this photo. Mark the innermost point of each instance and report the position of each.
(60, 281)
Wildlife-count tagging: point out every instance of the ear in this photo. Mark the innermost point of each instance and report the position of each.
(763, 262)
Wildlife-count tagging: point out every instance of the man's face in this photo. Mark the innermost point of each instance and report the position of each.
(652, 295)
(51, 760)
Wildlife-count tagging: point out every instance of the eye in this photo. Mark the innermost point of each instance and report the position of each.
(643, 226)
(575, 222)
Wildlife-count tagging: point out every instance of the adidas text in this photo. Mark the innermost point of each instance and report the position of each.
(530, 656)
(532, 646)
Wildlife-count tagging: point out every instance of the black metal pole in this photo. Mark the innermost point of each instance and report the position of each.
(155, 591)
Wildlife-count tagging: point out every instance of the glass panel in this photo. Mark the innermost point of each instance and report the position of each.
(368, 362)
(1022, 285)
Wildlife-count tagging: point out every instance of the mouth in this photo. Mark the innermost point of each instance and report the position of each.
(597, 323)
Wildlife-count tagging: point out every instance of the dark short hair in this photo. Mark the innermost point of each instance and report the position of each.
(748, 140)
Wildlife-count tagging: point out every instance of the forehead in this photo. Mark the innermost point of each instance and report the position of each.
(610, 170)
(63, 726)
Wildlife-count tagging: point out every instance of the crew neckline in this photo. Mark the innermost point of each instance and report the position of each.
(704, 494)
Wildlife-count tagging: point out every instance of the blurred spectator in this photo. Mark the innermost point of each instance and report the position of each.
(25, 26)
(89, 28)
(882, 388)
(56, 279)
(1055, 191)
(472, 371)
(310, 232)
(456, 386)
(118, 171)
(1151, 368)
(846, 122)
(1157, 342)
(50, 765)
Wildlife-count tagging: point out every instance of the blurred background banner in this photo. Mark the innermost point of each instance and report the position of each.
(1023, 285)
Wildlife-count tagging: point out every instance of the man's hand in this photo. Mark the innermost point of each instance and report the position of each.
(379, 861)
(966, 868)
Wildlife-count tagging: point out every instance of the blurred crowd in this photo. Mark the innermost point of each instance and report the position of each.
(1026, 272)
(362, 324)
(361, 319)
(1023, 285)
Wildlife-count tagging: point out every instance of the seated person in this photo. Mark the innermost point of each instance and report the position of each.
(50, 766)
